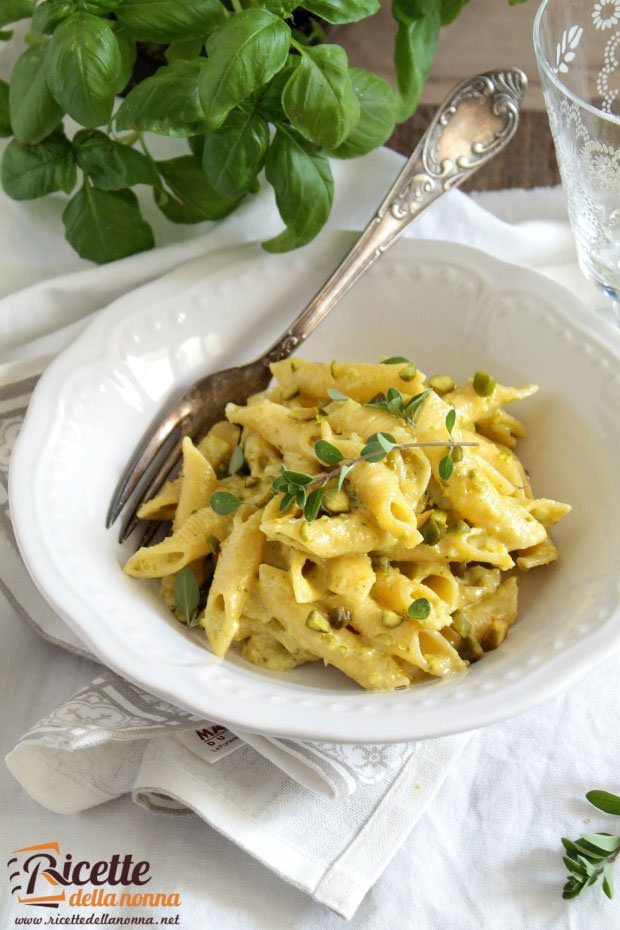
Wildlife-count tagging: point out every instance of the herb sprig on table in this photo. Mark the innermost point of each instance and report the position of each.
(592, 855)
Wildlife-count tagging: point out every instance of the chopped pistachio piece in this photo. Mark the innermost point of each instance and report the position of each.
(316, 621)
(431, 534)
(484, 384)
(336, 501)
(391, 619)
(441, 383)
(457, 454)
(460, 624)
(409, 372)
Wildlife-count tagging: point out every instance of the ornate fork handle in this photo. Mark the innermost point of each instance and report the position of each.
(477, 120)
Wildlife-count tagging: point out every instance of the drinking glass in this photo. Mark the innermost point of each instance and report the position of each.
(577, 44)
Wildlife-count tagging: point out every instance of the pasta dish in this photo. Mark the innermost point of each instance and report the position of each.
(357, 514)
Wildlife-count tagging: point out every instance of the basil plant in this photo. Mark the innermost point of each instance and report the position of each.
(248, 84)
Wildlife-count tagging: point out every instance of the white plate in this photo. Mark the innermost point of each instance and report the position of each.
(449, 308)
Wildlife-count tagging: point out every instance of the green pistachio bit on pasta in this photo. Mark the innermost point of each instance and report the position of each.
(386, 638)
(431, 533)
(327, 453)
(460, 624)
(317, 622)
(313, 504)
(333, 369)
(458, 527)
(339, 617)
(186, 594)
(457, 454)
(419, 609)
(409, 372)
(237, 460)
(333, 394)
(450, 419)
(484, 384)
(336, 501)
(395, 360)
(446, 467)
(470, 649)
(441, 384)
(391, 619)
(294, 365)
(223, 502)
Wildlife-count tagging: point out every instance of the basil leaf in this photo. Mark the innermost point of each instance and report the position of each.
(605, 801)
(194, 199)
(377, 115)
(184, 49)
(223, 502)
(167, 103)
(186, 593)
(84, 68)
(127, 48)
(235, 153)
(196, 145)
(450, 9)
(269, 99)
(12, 10)
(243, 55)
(5, 119)
(165, 20)
(111, 165)
(318, 97)
(327, 453)
(104, 226)
(35, 170)
(99, 7)
(282, 8)
(47, 15)
(342, 11)
(414, 50)
(304, 187)
(34, 112)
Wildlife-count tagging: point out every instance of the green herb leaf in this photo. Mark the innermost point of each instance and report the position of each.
(166, 20)
(34, 111)
(167, 103)
(111, 165)
(342, 11)
(49, 14)
(127, 48)
(193, 200)
(269, 99)
(450, 419)
(413, 406)
(186, 593)
(414, 50)
(35, 170)
(184, 49)
(446, 467)
(313, 504)
(295, 477)
(84, 68)
(104, 226)
(243, 55)
(302, 180)
(419, 609)
(333, 394)
(395, 360)
(234, 154)
(605, 801)
(450, 9)
(319, 99)
(604, 842)
(376, 121)
(378, 446)
(327, 453)
(286, 502)
(342, 474)
(223, 502)
(237, 460)
(13, 10)
(608, 879)
(5, 119)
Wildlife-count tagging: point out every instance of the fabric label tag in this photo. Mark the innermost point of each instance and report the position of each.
(210, 743)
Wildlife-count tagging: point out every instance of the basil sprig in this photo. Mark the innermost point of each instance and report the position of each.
(249, 89)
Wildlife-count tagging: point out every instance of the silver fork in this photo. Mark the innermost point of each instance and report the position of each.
(473, 124)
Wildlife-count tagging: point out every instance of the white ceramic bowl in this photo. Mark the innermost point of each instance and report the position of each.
(451, 309)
